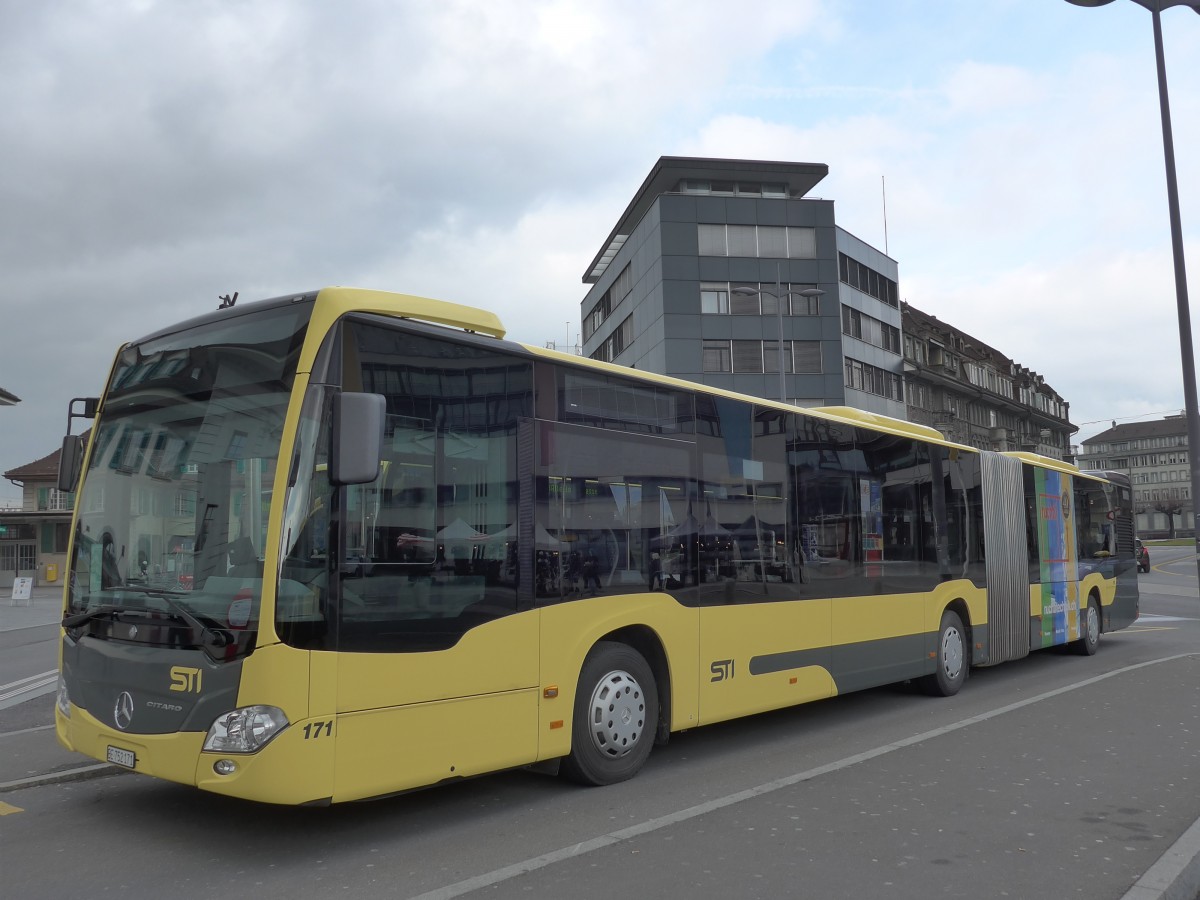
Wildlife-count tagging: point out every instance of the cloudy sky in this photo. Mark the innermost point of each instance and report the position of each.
(159, 154)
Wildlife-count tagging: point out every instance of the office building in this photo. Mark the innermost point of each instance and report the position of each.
(714, 258)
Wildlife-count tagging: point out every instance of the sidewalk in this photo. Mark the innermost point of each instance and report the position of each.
(44, 607)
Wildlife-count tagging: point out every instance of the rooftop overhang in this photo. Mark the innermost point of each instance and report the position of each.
(8, 399)
(800, 178)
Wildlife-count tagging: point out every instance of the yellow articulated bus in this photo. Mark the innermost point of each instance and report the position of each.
(348, 543)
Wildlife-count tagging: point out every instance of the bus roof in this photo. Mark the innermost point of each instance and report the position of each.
(844, 414)
(340, 300)
(1058, 465)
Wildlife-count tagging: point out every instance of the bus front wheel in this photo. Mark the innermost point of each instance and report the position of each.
(615, 716)
(952, 664)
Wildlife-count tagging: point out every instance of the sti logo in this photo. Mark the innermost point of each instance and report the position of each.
(185, 680)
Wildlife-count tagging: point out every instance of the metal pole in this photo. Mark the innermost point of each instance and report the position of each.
(779, 308)
(1181, 294)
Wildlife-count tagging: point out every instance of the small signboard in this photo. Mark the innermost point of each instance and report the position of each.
(22, 588)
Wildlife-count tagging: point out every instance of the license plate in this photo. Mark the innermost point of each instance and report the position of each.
(120, 757)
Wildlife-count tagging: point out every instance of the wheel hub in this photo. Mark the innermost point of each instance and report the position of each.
(952, 652)
(617, 714)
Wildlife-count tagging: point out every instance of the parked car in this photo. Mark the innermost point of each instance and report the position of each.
(1142, 555)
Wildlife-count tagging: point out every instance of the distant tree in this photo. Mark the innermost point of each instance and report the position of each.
(1170, 508)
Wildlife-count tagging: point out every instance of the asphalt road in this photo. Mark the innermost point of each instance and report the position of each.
(1054, 776)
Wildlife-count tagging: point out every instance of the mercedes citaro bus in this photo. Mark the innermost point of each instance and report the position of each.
(348, 543)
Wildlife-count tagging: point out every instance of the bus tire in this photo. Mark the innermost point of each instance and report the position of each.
(1089, 640)
(615, 716)
(951, 671)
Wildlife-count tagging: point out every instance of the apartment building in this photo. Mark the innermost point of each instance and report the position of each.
(976, 395)
(1155, 457)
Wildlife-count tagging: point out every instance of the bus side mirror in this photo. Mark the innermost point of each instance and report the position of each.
(68, 463)
(357, 438)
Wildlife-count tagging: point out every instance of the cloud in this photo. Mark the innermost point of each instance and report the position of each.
(160, 154)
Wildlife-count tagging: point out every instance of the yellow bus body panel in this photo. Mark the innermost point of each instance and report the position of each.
(937, 601)
(168, 756)
(410, 719)
(383, 751)
(1105, 588)
(277, 675)
(732, 636)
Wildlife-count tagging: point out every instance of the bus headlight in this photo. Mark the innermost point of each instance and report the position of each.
(63, 700)
(245, 730)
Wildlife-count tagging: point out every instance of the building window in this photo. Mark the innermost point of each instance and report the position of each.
(867, 280)
(871, 379)
(714, 299)
(608, 302)
(614, 345)
(742, 240)
(716, 357)
(767, 241)
(740, 189)
(806, 356)
(184, 504)
(918, 394)
(54, 500)
(870, 330)
(802, 242)
(748, 356)
(712, 240)
(749, 298)
(772, 242)
(771, 356)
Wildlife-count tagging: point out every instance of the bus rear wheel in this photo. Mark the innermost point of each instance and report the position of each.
(951, 671)
(615, 716)
(1089, 638)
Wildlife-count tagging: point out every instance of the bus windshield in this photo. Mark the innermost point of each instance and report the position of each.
(172, 514)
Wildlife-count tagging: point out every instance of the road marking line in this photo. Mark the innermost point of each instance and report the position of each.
(19, 681)
(615, 837)
(45, 681)
(5, 734)
(7, 809)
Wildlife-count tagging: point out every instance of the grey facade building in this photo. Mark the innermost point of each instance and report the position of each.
(689, 284)
(976, 395)
(1155, 457)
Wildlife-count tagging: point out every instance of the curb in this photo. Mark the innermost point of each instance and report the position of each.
(1176, 875)
(79, 774)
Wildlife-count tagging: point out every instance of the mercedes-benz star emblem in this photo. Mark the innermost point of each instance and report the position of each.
(123, 711)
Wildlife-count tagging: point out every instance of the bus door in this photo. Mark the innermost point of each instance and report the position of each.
(437, 664)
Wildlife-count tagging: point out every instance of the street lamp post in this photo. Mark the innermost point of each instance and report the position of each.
(1181, 294)
(780, 297)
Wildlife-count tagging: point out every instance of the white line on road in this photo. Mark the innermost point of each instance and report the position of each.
(614, 837)
(27, 688)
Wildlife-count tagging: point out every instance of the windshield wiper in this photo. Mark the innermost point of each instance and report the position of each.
(74, 621)
(143, 589)
(206, 626)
